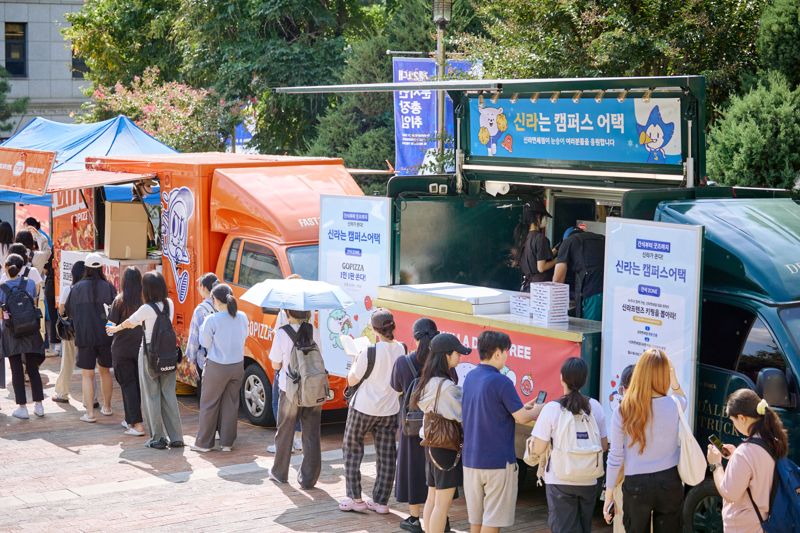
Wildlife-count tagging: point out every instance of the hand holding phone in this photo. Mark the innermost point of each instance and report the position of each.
(713, 439)
(541, 396)
(609, 513)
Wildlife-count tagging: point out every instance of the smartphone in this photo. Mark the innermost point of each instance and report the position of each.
(541, 396)
(713, 439)
(611, 512)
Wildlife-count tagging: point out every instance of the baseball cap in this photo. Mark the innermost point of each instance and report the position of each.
(570, 231)
(446, 343)
(93, 260)
(382, 319)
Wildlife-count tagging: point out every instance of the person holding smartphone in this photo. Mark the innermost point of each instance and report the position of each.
(746, 483)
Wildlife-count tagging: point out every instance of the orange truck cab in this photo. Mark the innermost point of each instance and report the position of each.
(247, 218)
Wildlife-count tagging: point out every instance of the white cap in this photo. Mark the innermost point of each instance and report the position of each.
(93, 260)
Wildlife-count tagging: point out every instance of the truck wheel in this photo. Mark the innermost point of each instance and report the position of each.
(256, 396)
(702, 509)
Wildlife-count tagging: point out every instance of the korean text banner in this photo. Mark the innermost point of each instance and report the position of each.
(354, 248)
(25, 171)
(415, 114)
(632, 131)
(651, 299)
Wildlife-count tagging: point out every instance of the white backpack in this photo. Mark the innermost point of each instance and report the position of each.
(577, 454)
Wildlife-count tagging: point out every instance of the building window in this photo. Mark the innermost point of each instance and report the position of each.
(16, 49)
(79, 68)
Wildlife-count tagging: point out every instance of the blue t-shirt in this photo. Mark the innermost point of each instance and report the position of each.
(488, 403)
(30, 288)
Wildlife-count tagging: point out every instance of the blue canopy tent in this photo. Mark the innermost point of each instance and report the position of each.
(73, 143)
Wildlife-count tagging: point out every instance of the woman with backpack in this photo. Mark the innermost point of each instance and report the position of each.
(125, 350)
(570, 425)
(31, 272)
(645, 442)
(299, 332)
(161, 412)
(410, 486)
(21, 336)
(86, 306)
(437, 393)
(195, 353)
(67, 344)
(222, 335)
(373, 409)
(745, 485)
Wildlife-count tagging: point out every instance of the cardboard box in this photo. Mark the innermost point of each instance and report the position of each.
(126, 231)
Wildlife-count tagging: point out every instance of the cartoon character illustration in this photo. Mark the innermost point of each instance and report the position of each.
(510, 374)
(654, 136)
(339, 323)
(178, 210)
(462, 369)
(526, 385)
(493, 123)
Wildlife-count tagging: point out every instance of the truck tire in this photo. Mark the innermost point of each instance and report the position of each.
(702, 509)
(256, 396)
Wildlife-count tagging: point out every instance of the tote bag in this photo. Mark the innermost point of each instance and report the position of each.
(692, 462)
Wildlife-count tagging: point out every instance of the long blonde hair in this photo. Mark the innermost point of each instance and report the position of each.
(650, 376)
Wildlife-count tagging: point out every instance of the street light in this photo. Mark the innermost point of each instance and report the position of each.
(442, 13)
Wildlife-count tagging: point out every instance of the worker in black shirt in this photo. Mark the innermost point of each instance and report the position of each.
(583, 253)
(536, 257)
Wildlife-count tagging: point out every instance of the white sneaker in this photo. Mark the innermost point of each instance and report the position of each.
(297, 445)
(271, 448)
(227, 449)
(21, 412)
(38, 409)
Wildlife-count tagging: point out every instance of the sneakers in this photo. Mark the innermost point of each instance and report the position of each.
(133, 432)
(275, 479)
(21, 412)
(412, 524)
(160, 444)
(38, 409)
(199, 449)
(88, 419)
(177, 444)
(271, 448)
(60, 399)
(227, 449)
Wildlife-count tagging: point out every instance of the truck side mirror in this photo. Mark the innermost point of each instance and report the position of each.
(270, 310)
(773, 386)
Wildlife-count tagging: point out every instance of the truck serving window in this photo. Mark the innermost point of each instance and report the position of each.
(722, 333)
(258, 263)
(230, 262)
(759, 352)
(304, 261)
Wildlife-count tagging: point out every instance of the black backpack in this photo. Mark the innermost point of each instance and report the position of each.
(23, 315)
(162, 350)
(412, 418)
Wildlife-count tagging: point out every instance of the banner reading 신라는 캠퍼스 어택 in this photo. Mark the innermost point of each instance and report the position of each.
(651, 299)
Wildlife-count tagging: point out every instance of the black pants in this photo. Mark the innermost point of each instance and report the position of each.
(659, 493)
(126, 371)
(52, 310)
(32, 362)
(570, 508)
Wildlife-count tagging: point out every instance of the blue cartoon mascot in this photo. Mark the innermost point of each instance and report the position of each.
(178, 210)
(654, 136)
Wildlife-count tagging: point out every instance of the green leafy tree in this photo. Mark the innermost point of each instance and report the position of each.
(588, 38)
(779, 38)
(754, 143)
(118, 39)
(185, 118)
(9, 109)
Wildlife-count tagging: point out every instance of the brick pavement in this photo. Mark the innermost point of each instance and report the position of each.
(59, 474)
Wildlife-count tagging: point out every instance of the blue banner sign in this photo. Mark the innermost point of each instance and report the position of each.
(631, 131)
(415, 115)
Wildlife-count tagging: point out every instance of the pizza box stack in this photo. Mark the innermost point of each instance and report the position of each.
(549, 303)
(520, 303)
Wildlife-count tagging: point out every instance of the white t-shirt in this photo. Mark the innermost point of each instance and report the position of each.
(33, 275)
(147, 315)
(546, 425)
(375, 396)
(281, 351)
(62, 298)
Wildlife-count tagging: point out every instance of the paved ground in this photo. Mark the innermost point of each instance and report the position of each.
(60, 474)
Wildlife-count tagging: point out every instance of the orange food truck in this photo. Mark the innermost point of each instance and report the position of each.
(245, 217)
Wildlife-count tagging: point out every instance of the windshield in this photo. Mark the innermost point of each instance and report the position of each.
(304, 261)
(791, 319)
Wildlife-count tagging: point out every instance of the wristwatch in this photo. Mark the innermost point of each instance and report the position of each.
(713, 467)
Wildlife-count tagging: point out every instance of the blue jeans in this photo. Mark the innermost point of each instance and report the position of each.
(276, 392)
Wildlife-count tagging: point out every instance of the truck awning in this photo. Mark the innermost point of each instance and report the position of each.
(81, 179)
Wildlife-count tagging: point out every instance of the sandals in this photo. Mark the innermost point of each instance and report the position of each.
(106, 413)
(377, 507)
(349, 504)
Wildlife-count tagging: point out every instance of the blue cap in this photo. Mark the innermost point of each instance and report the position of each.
(570, 231)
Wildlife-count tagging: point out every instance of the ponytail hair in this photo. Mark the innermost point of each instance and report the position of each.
(14, 264)
(305, 334)
(768, 425)
(424, 331)
(208, 281)
(224, 294)
(574, 373)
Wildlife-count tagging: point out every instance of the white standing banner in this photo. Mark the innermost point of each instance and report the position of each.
(651, 299)
(354, 248)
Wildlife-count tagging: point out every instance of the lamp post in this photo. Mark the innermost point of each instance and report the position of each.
(442, 12)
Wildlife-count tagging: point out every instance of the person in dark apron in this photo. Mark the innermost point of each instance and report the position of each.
(536, 258)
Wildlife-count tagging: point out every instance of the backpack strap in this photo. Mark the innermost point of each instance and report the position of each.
(775, 477)
(372, 352)
(412, 367)
(289, 330)
(24, 274)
